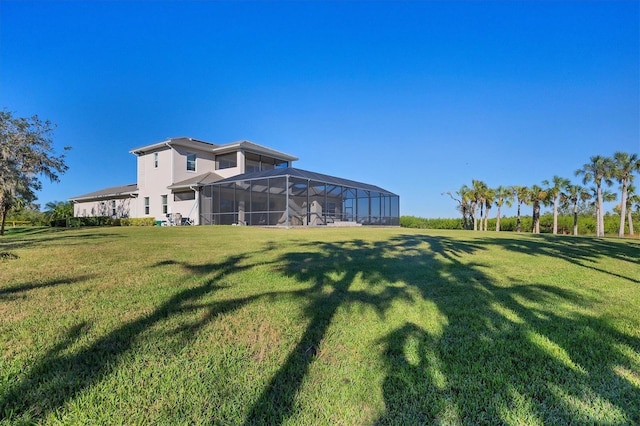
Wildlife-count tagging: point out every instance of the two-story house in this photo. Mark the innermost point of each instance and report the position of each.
(184, 180)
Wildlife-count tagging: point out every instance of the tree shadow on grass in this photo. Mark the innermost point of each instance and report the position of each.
(519, 365)
(581, 251)
(57, 236)
(16, 290)
(505, 355)
(59, 375)
(503, 352)
(331, 269)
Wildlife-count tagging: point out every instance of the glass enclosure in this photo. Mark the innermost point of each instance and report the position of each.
(289, 200)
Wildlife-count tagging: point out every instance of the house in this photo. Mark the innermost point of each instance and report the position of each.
(184, 180)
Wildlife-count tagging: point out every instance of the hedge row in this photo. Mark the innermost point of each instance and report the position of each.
(76, 222)
(586, 224)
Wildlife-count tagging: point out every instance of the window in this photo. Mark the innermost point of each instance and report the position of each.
(146, 205)
(163, 201)
(155, 160)
(191, 162)
(251, 163)
(113, 207)
(184, 196)
(227, 161)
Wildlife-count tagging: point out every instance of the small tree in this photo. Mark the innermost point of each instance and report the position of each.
(464, 206)
(58, 210)
(26, 153)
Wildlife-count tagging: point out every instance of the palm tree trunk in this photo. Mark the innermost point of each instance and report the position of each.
(475, 217)
(623, 208)
(575, 218)
(518, 221)
(498, 220)
(555, 215)
(600, 218)
(630, 220)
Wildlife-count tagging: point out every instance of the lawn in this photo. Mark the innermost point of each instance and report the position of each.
(240, 325)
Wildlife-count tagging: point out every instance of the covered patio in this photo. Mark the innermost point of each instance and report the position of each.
(293, 197)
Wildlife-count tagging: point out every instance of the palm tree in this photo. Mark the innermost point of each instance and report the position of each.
(598, 170)
(522, 196)
(555, 192)
(606, 196)
(632, 198)
(624, 165)
(503, 194)
(489, 196)
(464, 204)
(575, 194)
(58, 210)
(479, 189)
(537, 195)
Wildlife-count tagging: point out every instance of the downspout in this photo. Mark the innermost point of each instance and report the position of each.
(168, 144)
(170, 206)
(195, 204)
(135, 205)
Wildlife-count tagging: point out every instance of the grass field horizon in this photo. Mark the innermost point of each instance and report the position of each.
(242, 325)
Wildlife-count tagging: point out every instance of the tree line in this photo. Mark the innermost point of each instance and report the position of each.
(476, 200)
(26, 154)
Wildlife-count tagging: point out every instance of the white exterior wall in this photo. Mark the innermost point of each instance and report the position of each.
(205, 162)
(125, 207)
(172, 167)
(153, 182)
(186, 208)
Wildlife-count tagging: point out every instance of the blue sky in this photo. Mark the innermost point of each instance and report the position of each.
(416, 97)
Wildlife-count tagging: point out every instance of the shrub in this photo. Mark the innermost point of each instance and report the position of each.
(439, 223)
(137, 221)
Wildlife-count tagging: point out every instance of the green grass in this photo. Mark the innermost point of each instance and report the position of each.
(239, 325)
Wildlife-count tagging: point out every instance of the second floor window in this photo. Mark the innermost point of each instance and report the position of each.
(191, 162)
(146, 205)
(227, 161)
(155, 160)
(113, 207)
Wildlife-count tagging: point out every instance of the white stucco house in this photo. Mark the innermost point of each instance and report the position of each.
(185, 180)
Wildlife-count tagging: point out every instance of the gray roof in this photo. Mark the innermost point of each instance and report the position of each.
(199, 180)
(253, 147)
(112, 192)
(307, 175)
(182, 140)
(215, 148)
